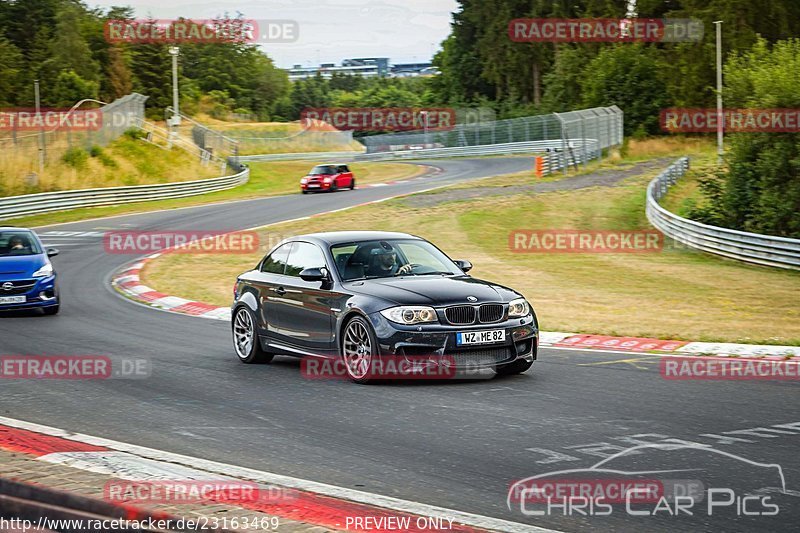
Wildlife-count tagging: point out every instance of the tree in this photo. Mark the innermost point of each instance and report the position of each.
(70, 88)
(11, 65)
(627, 75)
(761, 192)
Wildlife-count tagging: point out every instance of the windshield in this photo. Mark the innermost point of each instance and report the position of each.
(389, 258)
(18, 242)
(323, 169)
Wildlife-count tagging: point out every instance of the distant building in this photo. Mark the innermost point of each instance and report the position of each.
(367, 67)
(404, 70)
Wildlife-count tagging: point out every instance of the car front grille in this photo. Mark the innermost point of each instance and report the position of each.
(460, 315)
(490, 313)
(19, 287)
(482, 357)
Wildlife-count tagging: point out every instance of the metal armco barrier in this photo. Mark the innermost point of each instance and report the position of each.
(767, 250)
(34, 204)
(528, 147)
(335, 157)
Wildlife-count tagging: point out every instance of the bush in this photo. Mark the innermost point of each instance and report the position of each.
(105, 159)
(134, 133)
(75, 157)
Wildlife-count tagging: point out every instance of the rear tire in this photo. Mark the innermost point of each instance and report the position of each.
(245, 339)
(352, 184)
(517, 367)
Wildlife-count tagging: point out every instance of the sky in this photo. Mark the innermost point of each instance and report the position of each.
(329, 30)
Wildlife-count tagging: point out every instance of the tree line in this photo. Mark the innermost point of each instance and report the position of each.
(62, 44)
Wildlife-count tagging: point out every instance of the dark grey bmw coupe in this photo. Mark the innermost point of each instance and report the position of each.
(359, 296)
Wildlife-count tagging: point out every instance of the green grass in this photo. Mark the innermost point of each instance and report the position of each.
(671, 294)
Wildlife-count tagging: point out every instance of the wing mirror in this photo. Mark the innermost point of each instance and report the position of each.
(463, 264)
(314, 274)
(52, 252)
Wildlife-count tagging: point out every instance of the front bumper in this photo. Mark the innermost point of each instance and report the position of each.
(315, 186)
(436, 343)
(43, 293)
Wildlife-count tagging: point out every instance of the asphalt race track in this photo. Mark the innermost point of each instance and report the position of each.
(458, 445)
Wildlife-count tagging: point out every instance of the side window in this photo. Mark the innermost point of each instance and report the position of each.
(276, 262)
(343, 168)
(304, 255)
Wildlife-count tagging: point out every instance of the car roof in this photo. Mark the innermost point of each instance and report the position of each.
(339, 237)
(14, 228)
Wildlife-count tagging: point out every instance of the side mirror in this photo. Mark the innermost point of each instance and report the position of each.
(463, 264)
(52, 252)
(314, 274)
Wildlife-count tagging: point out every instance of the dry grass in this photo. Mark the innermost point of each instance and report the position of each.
(126, 161)
(673, 294)
(662, 146)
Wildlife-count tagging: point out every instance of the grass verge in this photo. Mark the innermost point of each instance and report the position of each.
(671, 294)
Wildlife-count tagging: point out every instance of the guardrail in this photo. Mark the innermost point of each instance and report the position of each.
(46, 202)
(526, 147)
(767, 250)
(335, 157)
(529, 147)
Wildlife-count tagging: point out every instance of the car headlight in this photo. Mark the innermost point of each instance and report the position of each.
(44, 272)
(327, 180)
(410, 314)
(303, 180)
(518, 307)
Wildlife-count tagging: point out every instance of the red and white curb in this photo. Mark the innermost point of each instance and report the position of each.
(310, 502)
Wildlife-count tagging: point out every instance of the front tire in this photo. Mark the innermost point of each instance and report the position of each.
(359, 349)
(245, 339)
(50, 311)
(517, 367)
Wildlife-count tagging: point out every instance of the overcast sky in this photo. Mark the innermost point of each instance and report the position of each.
(330, 30)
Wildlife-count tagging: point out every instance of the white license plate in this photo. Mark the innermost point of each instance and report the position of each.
(12, 299)
(313, 185)
(481, 337)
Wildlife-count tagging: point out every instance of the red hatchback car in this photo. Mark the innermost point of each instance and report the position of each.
(328, 178)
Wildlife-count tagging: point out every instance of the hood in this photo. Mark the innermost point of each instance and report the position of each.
(20, 266)
(433, 290)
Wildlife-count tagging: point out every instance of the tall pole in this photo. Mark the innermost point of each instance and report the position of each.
(176, 117)
(41, 128)
(720, 116)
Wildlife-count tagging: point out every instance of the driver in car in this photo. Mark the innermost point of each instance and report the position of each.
(16, 244)
(384, 264)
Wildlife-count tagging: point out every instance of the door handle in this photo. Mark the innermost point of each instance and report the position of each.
(280, 290)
